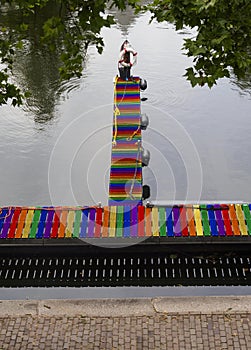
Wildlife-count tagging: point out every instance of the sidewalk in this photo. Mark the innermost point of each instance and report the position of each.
(158, 323)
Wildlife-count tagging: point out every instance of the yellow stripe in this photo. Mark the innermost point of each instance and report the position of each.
(198, 223)
(240, 217)
(155, 221)
(70, 220)
(112, 230)
(137, 194)
(27, 224)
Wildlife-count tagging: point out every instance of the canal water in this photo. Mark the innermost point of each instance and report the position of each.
(56, 149)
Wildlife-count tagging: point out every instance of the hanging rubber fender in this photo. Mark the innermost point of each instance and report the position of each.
(144, 121)
(143, 84)
(145, 156)
(146, 193)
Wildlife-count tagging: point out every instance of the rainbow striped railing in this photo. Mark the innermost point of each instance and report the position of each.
(228, 221)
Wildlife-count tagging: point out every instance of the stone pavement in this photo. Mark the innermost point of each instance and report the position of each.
(158, 323)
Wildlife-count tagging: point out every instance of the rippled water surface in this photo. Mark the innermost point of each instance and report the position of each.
(56, 149)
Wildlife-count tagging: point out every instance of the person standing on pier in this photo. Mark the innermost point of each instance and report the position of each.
(127, 59)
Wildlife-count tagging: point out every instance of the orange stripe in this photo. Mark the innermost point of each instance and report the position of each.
(21, 222)
(62, 225)
(105, 222)
(190, 221)
(148, 222)
(235, 223)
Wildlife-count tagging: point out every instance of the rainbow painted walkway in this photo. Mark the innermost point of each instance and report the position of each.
(125, 186)
(230, 222)
(126, 217)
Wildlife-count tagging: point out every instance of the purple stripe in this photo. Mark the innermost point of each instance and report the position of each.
(176, 222)
(91, 223)
(220, 221)
(6, 224)
(134, 221)
(48, 224)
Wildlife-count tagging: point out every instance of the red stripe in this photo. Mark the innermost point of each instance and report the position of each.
(183, 222)
(55, 227)
(141, 221)
(13, 225)
(227, 222)
(127, 176)
(97, 231)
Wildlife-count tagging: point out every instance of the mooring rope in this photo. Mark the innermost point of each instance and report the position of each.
(135, 171)
(133, 134)
(116, 111)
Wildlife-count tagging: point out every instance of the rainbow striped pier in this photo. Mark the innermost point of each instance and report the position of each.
(229, 223)
(125, 219)
(125, 186)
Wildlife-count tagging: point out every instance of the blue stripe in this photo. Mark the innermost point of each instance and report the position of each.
(41, 224)
(169, 222)
(212, 220)
(83, 229)
(3, 217)
(127, 221)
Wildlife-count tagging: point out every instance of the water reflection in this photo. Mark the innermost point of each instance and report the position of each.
(36, 69)
(125, 20)
(243, 86)
(38, 73)
(215, 122)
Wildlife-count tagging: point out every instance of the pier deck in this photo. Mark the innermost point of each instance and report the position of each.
(126, 169)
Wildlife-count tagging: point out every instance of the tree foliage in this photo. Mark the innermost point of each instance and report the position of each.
(222, 44)
(68, 31)
(223, 41)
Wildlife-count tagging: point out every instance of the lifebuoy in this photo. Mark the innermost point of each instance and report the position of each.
(133, 56)
(123, 59)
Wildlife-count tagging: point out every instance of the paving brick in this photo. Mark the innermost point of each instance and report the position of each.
(178, 331)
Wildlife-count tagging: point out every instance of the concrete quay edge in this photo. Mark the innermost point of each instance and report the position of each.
(126, 307)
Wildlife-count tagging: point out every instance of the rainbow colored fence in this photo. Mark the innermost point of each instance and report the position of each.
(228, 221)
(126, 169)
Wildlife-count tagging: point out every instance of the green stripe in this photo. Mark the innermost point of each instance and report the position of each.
(129, 124)
(129, 93)
(128, 181)
(130, 114)
(124, 137)
(205, 221)
(128, 198)
(128, 166)
(35, 223)
(129, 149)
(76, 225)
(245, 208)
(120, 219)
(162, 222)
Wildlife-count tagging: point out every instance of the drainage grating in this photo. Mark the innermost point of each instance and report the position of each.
(155, 270)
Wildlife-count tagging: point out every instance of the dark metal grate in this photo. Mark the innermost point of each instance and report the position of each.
(155, 270)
